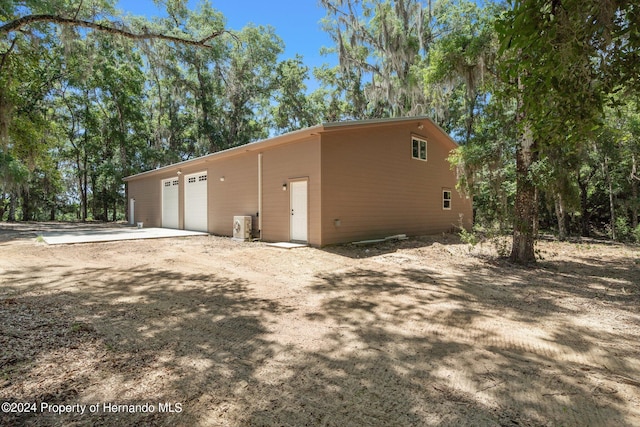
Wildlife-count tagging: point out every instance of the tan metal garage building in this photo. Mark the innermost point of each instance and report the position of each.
(327, 184)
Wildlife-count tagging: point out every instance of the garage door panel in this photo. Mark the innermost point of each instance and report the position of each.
(170, 203)
(195, 202)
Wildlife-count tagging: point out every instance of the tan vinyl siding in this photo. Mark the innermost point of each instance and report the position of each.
(280, 165)
(148, 196)
(236, 195)
(361, 174)
(374, 187)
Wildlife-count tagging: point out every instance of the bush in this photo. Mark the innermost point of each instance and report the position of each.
(497, 239)
(468, 237)
(636, 234)
(624, 232)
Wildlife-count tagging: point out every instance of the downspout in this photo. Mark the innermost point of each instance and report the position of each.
(260, 196)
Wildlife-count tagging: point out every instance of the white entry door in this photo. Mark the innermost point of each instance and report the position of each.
(170, 203)
(195, 202)
(299, 223)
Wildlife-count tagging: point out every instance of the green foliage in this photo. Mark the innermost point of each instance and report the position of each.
(460, 63)
(294, 109)
(480, 236)
(380, 46)
(13, 173)
(563, 55)
(81, 109)
(557, 61)
(623, 230)
(636, 234)
(468, 237)
(486, 166)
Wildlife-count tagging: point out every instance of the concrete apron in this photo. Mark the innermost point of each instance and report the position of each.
(113, 234)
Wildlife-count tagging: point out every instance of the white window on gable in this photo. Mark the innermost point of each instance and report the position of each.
(418, 149)
(446, 199)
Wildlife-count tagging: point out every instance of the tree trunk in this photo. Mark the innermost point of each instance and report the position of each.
(114, 216)
(612, 207)
(471, 105)
(26, 211)
(634, 192)
(204, 127)
(561, 217)
(584, 207)
(85, 187)
(84, 182)
(525, 205)
(83, 211)
(80, 188)
(12, 207)
(105, 205)
(95, 199)
(2, 208)
(536, 213)
(126, 204)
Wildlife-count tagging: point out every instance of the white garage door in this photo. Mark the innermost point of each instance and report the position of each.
(195, 202)
(170, 203)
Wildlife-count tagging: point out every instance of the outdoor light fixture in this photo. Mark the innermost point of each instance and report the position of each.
(222, 179)
(284, 187)
(420, 126)
(179, 173)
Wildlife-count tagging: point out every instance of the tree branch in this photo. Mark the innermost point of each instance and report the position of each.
(5, 54)
(17, 24)
(78, 10)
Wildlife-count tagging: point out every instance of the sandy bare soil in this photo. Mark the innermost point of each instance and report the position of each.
(211, 332)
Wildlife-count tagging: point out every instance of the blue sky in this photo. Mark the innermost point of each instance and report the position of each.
(297, 23)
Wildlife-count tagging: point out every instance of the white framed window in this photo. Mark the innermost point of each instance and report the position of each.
(418, 149)
(446, 199)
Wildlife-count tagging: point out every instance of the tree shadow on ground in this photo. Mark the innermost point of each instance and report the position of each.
(32, 229)
(418, 347)
(487, 344)
(149, 336)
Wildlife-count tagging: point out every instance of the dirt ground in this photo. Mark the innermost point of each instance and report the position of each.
(207, 331)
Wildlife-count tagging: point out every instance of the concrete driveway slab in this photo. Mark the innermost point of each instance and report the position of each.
(113, 234)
